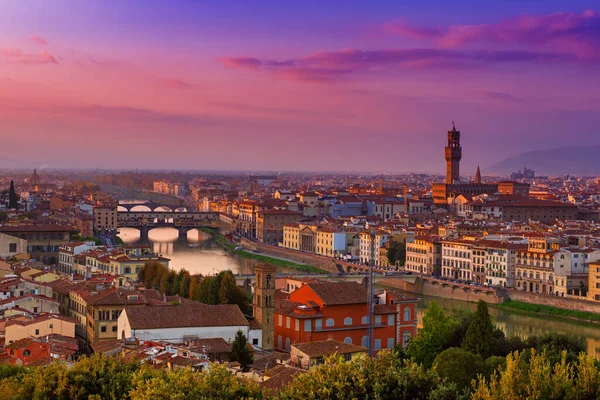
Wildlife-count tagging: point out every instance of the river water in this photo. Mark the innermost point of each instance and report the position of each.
(199, 255)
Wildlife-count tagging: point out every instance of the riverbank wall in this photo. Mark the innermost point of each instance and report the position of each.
(565, 303)
(324, 263)
(447, 290)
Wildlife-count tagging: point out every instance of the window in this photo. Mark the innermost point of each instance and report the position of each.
(114, 328)
(348, 356)
(405, 338)
(365, 342)
(279, 342)
(377, 344)
(390, 319)
(297, 324)
(103, 329)
(407, 314)
(26, 353)
(378, 320)
(51, 326)
(37, 331)
(390, 343)
(12, 247)
(318, 324)
(287, 322)
(348, 340)
(280, 320)
(287, 344)
(255, 341)
(307, 325)
(347, 321)
(329, 322)
(365, 320)
(127, 270)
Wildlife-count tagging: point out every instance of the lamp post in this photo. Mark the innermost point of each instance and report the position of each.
(371, 301)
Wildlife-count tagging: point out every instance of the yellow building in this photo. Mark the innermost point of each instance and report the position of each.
(22, 327)
(594, 281)
(43, 240)
(535, 267)
(291, 236)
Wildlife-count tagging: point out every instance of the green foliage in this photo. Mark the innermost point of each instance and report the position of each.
(107, 378)
(3, 216)
(554, 344)
(494, 363)
(548, 310)
(219, 289)
(240, 351)
(539, 379)
(78, 238)
(366, 378)
(396, 252)
(183, 384)
(458, 366)
(478, 338)
(438, 329)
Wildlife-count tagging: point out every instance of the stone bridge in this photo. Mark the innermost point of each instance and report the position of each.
(150, 206)
(145, 221)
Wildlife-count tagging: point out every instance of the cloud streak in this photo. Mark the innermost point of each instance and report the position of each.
(332, 66)
(37, 39)
(568, 32)
(17, 56)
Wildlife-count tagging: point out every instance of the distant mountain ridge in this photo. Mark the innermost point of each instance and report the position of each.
(575, 160)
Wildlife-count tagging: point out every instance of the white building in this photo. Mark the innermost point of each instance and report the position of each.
(381, 238)
(188, 321)
(456, 259)
(67, 252)
(571, 269)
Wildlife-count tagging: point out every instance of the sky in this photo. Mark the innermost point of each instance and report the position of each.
(280, 86)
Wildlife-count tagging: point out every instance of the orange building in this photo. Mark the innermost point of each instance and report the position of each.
(332, 310)
(406, 309)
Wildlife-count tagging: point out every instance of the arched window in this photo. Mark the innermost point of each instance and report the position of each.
(347, 321)
(279, 342)
(365, 320)
(405, 338)
(348, 340)
(329, 322)
(287, 344)
(26, 353)
(365, 341)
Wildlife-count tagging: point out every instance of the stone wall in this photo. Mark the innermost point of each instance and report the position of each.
(447, 290)
(554, 301)
(324, 263)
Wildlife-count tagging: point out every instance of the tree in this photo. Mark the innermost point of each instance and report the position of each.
(458, 366)
(396, 252)
(538, 379)
(3, 216)
(13, 199)
(554, 344)
(432, 338)
(478, 339)
(240, 351)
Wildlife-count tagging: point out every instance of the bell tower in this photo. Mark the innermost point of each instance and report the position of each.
(264, 303)
(453, 156)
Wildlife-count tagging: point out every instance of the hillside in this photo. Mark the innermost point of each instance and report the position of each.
(580, 160)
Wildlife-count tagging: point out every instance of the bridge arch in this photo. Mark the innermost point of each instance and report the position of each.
(163, 209)
(181, 209)
(122, 209)
(140, 208)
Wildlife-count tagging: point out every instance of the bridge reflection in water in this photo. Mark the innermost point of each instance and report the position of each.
(196, 252)
(515, 323)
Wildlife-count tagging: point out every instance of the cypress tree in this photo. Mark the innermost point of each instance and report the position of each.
(478, 339)
(13, 199)
(240, 351)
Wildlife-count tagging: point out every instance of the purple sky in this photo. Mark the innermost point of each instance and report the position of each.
(312, 85)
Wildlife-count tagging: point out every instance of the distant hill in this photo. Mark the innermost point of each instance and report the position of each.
(580, 160)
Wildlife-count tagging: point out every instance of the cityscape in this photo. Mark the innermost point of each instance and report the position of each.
(225, 200)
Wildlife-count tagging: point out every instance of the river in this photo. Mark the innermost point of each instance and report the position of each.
(199, 255)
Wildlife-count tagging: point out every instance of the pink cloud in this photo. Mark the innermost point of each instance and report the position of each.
(178, 84)
(16, 56)
(241, 62)
(331, 66)
(570, 32)
(37, 39)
